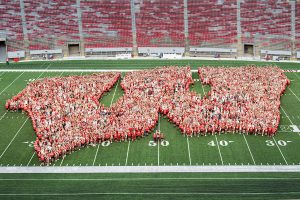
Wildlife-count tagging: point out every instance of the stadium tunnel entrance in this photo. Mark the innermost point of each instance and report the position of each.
(74, 49)
(3, 52)
(248, 49)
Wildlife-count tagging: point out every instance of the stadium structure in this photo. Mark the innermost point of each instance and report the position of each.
(199, 81)
(229, 28)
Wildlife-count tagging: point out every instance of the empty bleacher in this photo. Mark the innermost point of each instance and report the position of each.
(51, 23)
(212, 23)
(159, 23)
(11, 24)
(268, 22)
(297, 25)
(106, 23)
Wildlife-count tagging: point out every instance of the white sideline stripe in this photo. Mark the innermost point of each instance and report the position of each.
(149, 193)
(110, 106)
(151, 169)
(12, 82)
(13, 138)
(249, 150)
(294, 94)
(280, 151)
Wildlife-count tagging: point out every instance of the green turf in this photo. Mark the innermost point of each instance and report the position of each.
(138, 64)
(228, 149)
(151, 186)
(17, 134)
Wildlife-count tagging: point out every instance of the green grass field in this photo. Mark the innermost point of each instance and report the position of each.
(17, 136)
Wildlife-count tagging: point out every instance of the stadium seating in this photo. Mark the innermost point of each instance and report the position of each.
(297, 25)
(11, 22)
(51, 23)
(212, 23)
(266, 21)
(160, 23)
(106, 23)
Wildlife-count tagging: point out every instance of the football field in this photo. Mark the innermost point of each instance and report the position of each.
(17, 135)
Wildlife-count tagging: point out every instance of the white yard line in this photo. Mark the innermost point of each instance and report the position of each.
(188, 144)
(13, 138)
(158, 141)
(43, 72)
(11, 83)
(128, 147)
(280, 151)
(288, 117)
(249, 150)
(95, 157)
(219, 150)
(62, 160)
(294, 94)
(297, 75)
(152, 169)
(30, 159)
(3, 115)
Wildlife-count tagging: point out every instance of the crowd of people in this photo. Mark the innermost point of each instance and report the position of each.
(245, 100)
(66, 113)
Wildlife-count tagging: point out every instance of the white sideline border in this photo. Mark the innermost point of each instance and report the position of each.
(152, 169)
(95, 70)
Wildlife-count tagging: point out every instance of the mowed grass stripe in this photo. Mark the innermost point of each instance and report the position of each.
(151, 187)
(139, 63)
